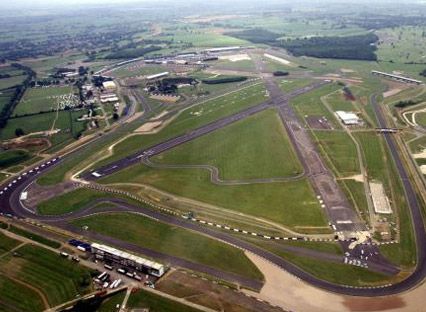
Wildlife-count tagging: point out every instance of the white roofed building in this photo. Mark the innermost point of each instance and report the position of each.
(348, 118)
(109, 85)
(107, 253)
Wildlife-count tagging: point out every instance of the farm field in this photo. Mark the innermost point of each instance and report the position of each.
(171, 240)
(11, 77)
(13, 157)
(5, 96)
(7, 243)
(203, 39)
(252, 148)
(44, 99)
(56, 278)
(64, 120)
(284, 204)
(143, 299)
(192, 118)
(295, 27)
(6, 83)
(402, 44)
(17, 297)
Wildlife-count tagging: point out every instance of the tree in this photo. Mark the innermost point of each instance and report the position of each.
(19, 132)
(115, 116)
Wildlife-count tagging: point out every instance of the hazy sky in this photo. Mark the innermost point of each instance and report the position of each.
(43, 4)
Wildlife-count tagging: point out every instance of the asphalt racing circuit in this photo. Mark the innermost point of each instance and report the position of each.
(320, 177)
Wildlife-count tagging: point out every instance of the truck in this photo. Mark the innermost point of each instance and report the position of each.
(117, 283)
(100, 276)
(81, 248)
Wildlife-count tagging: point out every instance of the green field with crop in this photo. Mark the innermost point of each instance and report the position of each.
(7, 243)
(13, 81)
(256, 147)
(5, 97)
(17, 297)
(289, 203)
(46, 99)
(65, 120)
(57, 278)
(143, 299)
(171, 240)
(10, 158)
(402, 44)
(203, 39)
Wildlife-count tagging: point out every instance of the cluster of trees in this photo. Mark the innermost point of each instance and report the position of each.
(361, 47)
(132, 52)
(374, 21)
(423, 73)
(403, 104)
(169, 85)
(3, 76)
(224, 80)
(7, 110)
(256, 35)
(280, 73)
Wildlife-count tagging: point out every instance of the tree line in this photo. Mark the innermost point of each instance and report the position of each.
(359, 47)
(7, 110)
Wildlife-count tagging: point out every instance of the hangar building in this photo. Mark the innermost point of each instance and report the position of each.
(348, 118)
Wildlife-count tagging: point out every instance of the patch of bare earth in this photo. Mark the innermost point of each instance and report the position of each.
(209, 294)
(38, 193)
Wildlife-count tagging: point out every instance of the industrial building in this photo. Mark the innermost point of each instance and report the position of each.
(112, 255)
(223, 49)
(109, 98)
(156, 76)
(396, 77)
(109, 85)
(348, 118)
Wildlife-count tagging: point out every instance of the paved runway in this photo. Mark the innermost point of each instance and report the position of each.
(11, 204)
